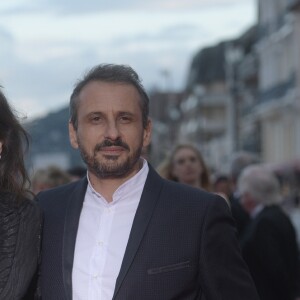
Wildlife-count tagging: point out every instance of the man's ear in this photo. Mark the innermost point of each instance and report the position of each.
(73, 136)
(147, 134)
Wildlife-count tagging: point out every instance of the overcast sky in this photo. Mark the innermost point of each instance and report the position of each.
(46, 45)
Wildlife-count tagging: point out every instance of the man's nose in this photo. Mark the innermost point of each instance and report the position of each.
(112, 131)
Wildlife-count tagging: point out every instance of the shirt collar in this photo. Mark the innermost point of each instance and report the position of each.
(128, 186)
(257, 210)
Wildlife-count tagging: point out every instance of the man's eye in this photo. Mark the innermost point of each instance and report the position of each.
(96, 119)
(125, 119)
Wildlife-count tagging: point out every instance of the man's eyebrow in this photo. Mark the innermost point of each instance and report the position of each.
(99, 113)
(127, 113)
(93, 113)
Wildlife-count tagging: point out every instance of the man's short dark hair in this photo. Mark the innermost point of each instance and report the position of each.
(114, 74)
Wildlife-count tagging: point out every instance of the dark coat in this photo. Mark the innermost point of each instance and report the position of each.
(20, 235)
(270, 249)
(182, 245)
(240, 216)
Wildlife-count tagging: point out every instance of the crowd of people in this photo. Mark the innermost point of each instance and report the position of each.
(122, 229)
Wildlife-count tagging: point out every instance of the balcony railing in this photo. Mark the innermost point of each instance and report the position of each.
(278, 91)
(210, 127)
(267, 28)
(214, 100)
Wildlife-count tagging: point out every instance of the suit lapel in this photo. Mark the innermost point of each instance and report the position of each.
(141, 220)
(70, 231)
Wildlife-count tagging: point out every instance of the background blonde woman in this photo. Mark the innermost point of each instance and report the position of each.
(186, 165)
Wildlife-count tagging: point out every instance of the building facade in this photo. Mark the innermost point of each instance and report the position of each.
(278, 107)
(205, 107)
(165, 111)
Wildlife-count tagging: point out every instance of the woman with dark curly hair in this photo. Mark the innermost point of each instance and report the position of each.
(20, 217)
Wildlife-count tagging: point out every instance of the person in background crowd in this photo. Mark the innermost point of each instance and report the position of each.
(20, 218)
(239, 162)
(222, 186)
(77, 172)
(48, 178)
(269, 243)
(123, 232)
(186, 165)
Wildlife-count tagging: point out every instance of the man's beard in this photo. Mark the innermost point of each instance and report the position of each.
(109, 168)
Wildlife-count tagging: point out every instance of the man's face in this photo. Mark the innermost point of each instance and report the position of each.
(110, 133)
(247, 202)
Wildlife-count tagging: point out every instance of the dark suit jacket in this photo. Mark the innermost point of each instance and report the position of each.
(270, 250)
(182, 245)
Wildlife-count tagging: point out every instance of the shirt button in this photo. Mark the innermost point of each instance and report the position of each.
(100, 243)
(95, 276)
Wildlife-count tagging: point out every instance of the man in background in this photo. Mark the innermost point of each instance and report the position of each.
(269, 243)
(239, 162)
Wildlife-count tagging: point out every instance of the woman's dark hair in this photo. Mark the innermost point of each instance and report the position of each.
(13, 176)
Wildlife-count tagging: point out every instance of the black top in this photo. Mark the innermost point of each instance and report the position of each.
(20, 233)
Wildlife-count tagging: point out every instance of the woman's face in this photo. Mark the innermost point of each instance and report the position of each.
(186, 166)
(1, 143)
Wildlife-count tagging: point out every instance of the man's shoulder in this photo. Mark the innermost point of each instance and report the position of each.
(185, 189)
(155, 180)
(188, 196)
(272, 212)
(58, 190)
(276, 216)
(62, 193)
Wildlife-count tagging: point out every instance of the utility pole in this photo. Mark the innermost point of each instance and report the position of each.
(233, 56)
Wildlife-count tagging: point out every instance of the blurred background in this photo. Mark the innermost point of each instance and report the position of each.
(222, 74)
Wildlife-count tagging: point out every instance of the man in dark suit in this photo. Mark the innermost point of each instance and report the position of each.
(123, 232)
(269, 244)
(239, 162)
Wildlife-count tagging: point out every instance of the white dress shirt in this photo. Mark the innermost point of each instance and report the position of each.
(258, 208)
(102, 238)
